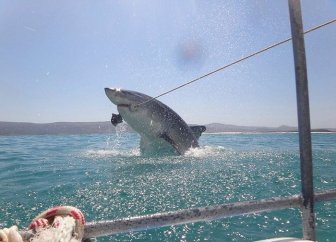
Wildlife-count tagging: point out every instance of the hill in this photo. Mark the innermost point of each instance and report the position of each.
(18, 128)
(22, 128)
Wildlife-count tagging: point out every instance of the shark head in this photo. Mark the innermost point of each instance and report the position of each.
(128, 103)
(125, 98)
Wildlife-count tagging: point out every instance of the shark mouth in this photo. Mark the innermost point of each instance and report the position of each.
(124, 105)
(131, 107)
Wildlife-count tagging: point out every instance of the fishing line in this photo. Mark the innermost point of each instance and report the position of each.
(235, 62)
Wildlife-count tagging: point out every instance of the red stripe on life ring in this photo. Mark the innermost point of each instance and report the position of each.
(77, 215)
(51, 213)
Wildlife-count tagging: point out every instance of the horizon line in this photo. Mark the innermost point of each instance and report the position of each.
(262, 126)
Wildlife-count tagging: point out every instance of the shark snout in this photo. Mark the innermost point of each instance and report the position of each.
(123, 98)
(112, 94)
(111, 91)
(108, 91)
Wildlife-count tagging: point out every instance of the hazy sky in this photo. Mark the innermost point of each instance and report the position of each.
(56, 57)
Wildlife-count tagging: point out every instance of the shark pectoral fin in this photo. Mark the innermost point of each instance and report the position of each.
(156, 146)
(170, 141)
(116, 119)
(197, 130)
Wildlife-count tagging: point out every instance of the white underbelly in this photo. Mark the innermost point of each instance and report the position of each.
(141, 122)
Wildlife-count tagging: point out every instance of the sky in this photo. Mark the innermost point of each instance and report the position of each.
(56, 58)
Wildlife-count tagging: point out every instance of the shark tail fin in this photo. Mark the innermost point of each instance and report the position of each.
(197, 130)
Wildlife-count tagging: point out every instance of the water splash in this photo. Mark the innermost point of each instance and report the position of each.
(206, 151)
(119, 136)
(112, 153)
(122, 143)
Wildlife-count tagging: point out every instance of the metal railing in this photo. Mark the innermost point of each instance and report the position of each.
(305, 201)
(110, 227)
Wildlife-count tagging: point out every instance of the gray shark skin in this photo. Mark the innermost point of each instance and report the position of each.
(160, 127)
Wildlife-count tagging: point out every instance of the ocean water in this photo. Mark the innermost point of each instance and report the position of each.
(107, 178)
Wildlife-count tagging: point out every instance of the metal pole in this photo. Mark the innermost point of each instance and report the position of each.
(192, 215)
(308, 217)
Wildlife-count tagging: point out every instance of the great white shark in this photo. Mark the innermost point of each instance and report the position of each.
(161, 129)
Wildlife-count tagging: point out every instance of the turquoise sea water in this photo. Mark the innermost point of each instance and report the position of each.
(105, 177)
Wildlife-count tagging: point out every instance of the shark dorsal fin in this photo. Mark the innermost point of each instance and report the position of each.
(197, 130)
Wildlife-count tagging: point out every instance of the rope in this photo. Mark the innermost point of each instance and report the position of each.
(10, 235)
(235, 62)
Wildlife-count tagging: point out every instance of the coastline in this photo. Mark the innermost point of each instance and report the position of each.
(63, 128)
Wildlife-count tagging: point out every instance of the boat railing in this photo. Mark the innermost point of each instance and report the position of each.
(192, 215)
